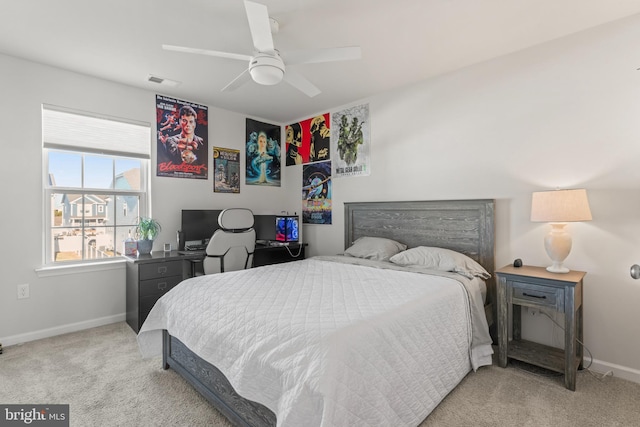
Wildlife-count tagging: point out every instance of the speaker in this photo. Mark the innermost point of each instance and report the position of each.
(517, 263)
(180, 238)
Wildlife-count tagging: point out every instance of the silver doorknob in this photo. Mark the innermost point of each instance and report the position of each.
(635, 271)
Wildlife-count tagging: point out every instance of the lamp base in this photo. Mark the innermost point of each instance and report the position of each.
(558, 245)
(557, 269)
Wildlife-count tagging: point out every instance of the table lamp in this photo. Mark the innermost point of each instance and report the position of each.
(559, 207)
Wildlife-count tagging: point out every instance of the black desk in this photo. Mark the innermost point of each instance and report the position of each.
(151, 276)
(266, 254)
(262, 255)
(148, 278)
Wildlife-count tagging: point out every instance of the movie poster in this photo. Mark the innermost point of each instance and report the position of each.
(308, 141)
(182, 138)
(316, 193)
(263, 154)
(350, 142)
(226, 169)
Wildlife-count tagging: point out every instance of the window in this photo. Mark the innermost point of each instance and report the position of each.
(96, 183)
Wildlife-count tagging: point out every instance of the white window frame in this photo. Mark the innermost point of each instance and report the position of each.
(88, 134)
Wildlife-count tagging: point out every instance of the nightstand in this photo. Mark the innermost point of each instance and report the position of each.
(535, 287)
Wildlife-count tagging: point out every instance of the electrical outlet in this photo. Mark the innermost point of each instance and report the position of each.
(534, 312)
(23, 291)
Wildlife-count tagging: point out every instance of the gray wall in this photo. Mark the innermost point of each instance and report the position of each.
(563, 114)
(66, 300)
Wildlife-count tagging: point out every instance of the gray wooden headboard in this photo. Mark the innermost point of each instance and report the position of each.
(466, 226)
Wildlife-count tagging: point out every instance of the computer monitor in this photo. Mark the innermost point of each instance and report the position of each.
(287, 228)
(198, 225)
(265, 228)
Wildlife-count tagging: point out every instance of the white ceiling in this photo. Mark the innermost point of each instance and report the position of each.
(403, 41)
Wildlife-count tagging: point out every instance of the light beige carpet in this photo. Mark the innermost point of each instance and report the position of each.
(100, 374)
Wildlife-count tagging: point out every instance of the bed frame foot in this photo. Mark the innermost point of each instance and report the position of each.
(166, 349)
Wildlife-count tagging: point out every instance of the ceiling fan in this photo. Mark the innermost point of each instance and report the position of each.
(267, 65)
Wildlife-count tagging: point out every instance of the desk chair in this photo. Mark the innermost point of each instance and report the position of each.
(231, 246)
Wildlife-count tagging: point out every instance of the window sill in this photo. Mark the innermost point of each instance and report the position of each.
(61, 270)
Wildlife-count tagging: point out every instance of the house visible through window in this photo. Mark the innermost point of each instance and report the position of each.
(96, 186)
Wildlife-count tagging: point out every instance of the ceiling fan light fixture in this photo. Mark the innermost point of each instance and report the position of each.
(266, 69)
(266, 66)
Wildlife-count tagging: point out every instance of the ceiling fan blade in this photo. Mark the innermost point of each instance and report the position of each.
(313, 56)
(260, 27)
(301, 83)
(243, 78)
(206, 52)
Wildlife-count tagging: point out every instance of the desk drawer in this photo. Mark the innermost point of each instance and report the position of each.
(158, 286)
(160, 269)
(529, 294)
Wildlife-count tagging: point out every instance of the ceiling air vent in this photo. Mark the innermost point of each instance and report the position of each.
(162, 81)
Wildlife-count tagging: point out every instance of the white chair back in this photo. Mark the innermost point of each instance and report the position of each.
(231, 246)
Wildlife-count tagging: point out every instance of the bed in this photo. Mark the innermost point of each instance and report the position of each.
(349, 339)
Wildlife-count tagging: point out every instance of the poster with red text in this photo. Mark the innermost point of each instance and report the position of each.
(182, 138)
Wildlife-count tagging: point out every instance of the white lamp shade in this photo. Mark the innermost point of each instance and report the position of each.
(560, 206)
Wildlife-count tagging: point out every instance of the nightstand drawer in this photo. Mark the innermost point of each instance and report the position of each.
(160, 269)
(158, 286)
(537, 295)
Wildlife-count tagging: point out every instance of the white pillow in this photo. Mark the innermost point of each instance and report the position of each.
(442, 260)
(375, 248)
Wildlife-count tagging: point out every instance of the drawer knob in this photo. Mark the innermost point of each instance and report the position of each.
(534, 296)
(162, 270)
(162, 285)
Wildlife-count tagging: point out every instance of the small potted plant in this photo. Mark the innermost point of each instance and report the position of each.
(146, 231)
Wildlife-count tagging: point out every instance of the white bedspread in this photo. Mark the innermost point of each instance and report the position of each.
(325, 343)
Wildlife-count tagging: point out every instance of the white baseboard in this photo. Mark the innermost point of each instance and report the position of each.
(598, 366)
(63, 329)
(618, 371)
